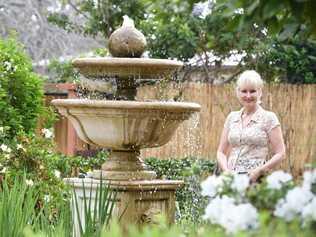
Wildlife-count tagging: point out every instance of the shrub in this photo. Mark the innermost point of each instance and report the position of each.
(35, 157)
(21, 94)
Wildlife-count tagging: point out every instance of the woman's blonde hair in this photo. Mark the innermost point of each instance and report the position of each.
(250, 77)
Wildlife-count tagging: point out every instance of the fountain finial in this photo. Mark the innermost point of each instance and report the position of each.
(128, 22)
(127, 41)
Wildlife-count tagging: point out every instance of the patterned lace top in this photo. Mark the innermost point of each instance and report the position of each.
(250, 144)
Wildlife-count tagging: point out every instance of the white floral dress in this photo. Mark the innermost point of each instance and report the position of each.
(250, 144)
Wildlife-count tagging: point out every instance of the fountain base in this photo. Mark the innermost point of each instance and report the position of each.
(137, 202)
(124, 165)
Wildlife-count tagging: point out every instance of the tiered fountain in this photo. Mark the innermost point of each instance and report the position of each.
(126, 126)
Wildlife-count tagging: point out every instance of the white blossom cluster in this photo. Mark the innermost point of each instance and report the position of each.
(231, 213)
(230, 208)
(9, 67)
(47, 133)
(202, 9)
(4, 148)
(214, 185)
(231, 216)
(277, 179)
(300, 202)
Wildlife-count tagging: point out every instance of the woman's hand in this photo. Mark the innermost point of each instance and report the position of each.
(255, 174)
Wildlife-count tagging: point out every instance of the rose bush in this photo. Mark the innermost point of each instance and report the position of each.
(235, 205)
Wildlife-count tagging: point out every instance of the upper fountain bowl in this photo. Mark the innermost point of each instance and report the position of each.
(125, 125)
(138, 68)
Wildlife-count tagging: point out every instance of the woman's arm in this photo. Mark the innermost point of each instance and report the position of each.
(278, 150)
(223, 150)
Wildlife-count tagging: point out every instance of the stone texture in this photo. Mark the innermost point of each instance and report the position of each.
(125, 125)
(136, 68)
(127, 41)
(137, 202)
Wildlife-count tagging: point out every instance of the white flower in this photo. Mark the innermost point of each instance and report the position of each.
(309, 211)
(1, 130)
(57, 173)
(223, 211)
(7, 65)
(202, 9)
(47, 198)
(4, 169)
(309, 179)
(29, 182)
(47, 133)
(34, 18)
(292, 205)
(213, 184)
(215, 210)
(277, 178)
(20, 147)
(5, 148)
(240, 183)
(242, 217)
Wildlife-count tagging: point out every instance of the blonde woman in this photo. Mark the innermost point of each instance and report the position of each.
(249, 132)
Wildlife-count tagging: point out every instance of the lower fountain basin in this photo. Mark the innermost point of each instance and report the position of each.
(125, 125)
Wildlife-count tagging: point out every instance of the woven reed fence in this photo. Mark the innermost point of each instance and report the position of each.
(294, 105)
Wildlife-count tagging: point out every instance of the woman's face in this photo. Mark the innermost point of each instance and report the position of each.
(248, 95)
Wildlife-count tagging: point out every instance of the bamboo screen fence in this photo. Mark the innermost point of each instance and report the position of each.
(294, 105)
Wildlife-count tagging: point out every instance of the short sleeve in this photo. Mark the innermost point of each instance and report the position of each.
(272, 122)
(227, 121)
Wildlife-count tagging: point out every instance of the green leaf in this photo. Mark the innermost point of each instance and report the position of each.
(252, 7)
(271, 8)
(288, 31)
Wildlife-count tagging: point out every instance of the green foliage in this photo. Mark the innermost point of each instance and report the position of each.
(21, 94)
(97, 212)
(62, 72)
(35, 158)
(264, 198)
(180, 168)
(294, 60)
(17, 205)
(285, 19)
(257, 30)
(102, 16)
(192, 171)
(269, 227)
(20, 214)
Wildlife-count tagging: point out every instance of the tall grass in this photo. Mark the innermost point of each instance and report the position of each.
(17, 208)
(21, 216)
(97, 210)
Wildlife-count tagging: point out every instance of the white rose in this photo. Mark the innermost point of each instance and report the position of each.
(292, 205)
(240, 183)
(309, 179)
(277, 179)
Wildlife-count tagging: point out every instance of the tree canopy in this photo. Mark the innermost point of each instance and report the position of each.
(269, 36)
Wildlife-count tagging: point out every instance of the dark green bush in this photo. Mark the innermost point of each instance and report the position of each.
(21, 93)
(192, 171)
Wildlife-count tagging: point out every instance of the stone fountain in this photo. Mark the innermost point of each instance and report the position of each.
(127, 126)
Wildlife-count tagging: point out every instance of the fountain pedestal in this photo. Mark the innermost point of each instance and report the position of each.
(124, 165)
(138, 202)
